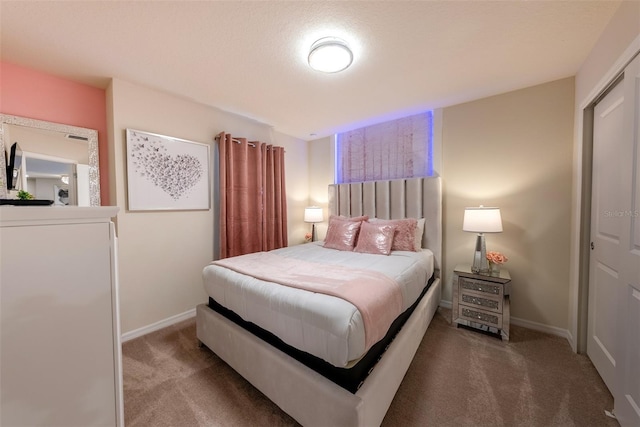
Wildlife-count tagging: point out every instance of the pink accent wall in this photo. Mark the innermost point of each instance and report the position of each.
(29, 93)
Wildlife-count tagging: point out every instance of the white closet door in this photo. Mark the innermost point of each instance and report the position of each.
(606, 228)
(627, 395)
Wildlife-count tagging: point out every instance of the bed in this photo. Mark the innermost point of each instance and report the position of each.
(345, 381)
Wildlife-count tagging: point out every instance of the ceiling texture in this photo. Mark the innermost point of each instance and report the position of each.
(250, 58)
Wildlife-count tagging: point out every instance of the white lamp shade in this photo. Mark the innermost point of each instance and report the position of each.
(313, 214)
(482, 220)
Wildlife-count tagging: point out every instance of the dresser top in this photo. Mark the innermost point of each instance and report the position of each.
(11, 216)
(465, 271)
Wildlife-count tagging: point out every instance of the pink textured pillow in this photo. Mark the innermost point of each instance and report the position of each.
(342, 235)
(404, 238)
(375, 238)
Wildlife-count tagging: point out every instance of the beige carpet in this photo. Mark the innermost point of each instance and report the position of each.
(458, 378)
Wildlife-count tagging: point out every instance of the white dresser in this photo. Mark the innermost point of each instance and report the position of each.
(60, 355)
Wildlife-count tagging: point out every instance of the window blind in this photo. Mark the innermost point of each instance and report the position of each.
(399, 148)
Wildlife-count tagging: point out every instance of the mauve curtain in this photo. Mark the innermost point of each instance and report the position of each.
(274, 233)
(253, 201)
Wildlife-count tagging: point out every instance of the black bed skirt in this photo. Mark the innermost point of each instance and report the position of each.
(350, 379)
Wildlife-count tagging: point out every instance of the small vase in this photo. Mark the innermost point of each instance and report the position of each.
(494, 268)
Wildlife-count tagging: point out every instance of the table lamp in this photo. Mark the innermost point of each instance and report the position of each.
(481, 220)
(313, 214)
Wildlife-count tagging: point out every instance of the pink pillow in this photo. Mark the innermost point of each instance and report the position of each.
(375, 238)
(404, 238)
(341, 235)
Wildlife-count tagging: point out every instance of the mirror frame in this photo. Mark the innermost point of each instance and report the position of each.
(92, 140)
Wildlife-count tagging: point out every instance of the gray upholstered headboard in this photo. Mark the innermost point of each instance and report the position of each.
(395, 199)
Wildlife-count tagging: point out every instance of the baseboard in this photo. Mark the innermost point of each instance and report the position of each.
(445, 304)
(552, 330)
(572, 342)
(158, 325)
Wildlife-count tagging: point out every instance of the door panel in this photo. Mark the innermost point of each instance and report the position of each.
(627, 395)
(607, 200)
(606, 312)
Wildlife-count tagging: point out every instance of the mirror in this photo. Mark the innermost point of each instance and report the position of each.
(51, 161)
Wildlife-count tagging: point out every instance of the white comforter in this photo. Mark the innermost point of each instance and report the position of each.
(325, 326)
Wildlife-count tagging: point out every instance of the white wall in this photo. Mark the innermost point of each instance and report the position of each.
(162, 253)
(514, 151)
(297, 178)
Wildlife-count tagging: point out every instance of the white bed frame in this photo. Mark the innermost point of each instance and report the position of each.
(305, 395)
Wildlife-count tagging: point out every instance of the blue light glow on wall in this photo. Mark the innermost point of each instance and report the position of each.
(338, 159)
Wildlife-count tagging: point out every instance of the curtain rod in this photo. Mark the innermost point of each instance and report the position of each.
(237, 141)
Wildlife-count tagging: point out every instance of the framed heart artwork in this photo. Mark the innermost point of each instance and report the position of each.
(166, 173)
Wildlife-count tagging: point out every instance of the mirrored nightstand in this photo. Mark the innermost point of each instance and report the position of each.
(481, 301)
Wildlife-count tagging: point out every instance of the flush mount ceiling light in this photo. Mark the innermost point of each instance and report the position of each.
(330, 55)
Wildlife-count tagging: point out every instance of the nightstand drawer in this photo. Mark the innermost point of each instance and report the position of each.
(486, 302)
(481, 286)
(480, 316)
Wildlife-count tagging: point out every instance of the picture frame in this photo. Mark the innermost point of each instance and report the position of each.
(166, 173)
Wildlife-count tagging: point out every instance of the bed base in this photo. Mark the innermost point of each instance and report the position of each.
(305, 395)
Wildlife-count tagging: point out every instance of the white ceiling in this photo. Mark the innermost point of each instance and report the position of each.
(249, 58)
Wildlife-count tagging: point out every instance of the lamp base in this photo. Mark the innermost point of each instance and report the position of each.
(313, 232)
(480, 264)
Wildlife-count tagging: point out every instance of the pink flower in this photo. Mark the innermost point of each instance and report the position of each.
(496, 257)
(307, 237)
